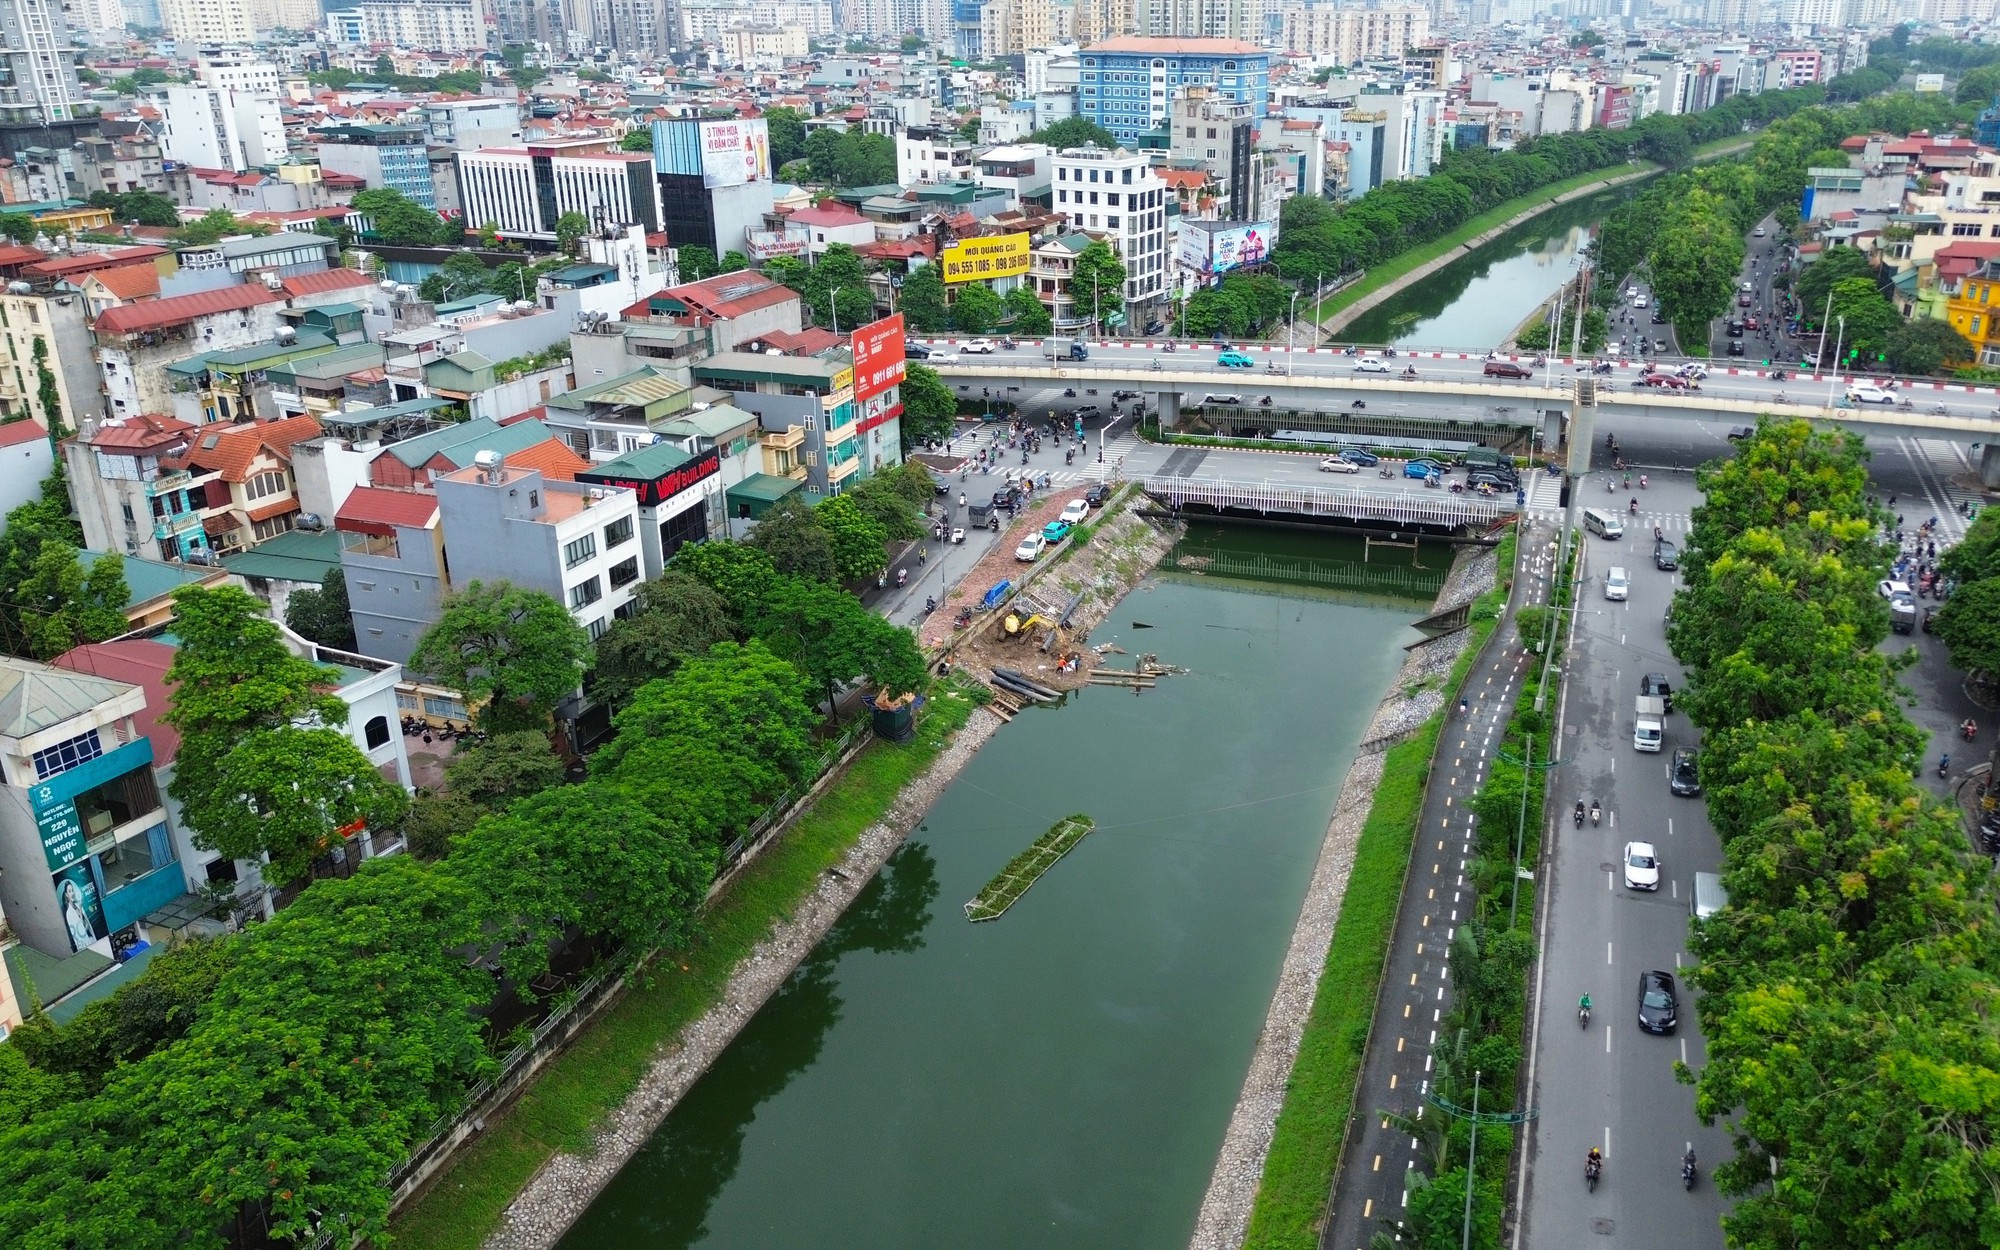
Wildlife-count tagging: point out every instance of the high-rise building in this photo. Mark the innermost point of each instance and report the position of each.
(523, 191)
(1116, 196)
(40, 89)
(432, 25)
(212, 128)
(1351, 35)
(381, 156)
(1127, 85)
(1212, 19)
(209, 21)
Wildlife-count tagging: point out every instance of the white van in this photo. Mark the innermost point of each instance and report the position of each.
(1709, 896)
(1603, 524)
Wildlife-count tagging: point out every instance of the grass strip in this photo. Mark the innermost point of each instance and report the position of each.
(1319, 1097)
(1395, 267)
(1011, 882)
(560, 1111)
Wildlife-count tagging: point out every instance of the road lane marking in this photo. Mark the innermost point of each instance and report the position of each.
(1392, 1080)
(1399, 1045)
(1607, 952)
(1378, 1163)
(1684, 1054)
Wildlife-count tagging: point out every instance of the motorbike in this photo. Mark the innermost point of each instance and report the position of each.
(1604, 366)
(1579, 813)
(1687, 1170)
(902, 578)
(1410, 374)
(1274, 369)
(1390, 352)
(1779, 375)
(1169, 346)
(1634, 509)
(1264, 402)
(1009, 344)
(1069, 457)
(1596, 812)
(1642, 481)
(1359, 403)
(963, 618)
(1593, 1167)
(1944, 765)
(1156, 364)
(1069, 392)
(1582, 1016)
(930, 604)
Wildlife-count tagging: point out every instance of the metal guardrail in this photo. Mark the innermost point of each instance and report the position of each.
(1437, 508)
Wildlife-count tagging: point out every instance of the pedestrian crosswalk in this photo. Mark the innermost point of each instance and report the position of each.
(1946, 470)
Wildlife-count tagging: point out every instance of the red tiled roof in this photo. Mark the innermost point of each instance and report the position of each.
(76, 266)
(1189, 178)
(830, 215)
(899, 249)
(154, 314)
(730, 295)
(16, 254)
(145, 431)
(805, 343)
(232, 450)
(129, 282)
(373, 510)
(16, 433)
(553, 457)
(326, 280)
(269, 510)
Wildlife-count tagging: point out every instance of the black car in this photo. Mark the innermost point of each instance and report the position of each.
(1489, 477)
(1736, 347)
(1665, 554)
(1356, 455)
(1096, 495)
(1682, 779)
(1007, 497)
(1655, 684)
(1154, 327)
(1737, 433)
(915, 351)
(1659, 318)
(1659, 1005)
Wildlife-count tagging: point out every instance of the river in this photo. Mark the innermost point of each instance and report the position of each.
(1062, 1076)
(1478, 299)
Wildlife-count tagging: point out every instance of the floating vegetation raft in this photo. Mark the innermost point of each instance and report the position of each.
(1026, 868)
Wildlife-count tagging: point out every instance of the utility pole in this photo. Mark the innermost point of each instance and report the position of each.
(1471, 1160)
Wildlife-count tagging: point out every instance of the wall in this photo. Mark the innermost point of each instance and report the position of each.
(22, 468)
(325, 470)
(393, 601)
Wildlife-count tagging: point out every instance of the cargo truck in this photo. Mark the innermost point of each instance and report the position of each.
(1648, 731)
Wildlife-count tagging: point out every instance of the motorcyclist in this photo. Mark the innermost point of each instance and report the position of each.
(1969, 728)
(1583, 1004)
(1579, 813)
(1634, 507)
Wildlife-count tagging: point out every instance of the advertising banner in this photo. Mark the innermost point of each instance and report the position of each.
(764, 244)
(735, 151)
(878, 356)
(1217, 249)
(61, 829)
(1001, 256)
(82, 910)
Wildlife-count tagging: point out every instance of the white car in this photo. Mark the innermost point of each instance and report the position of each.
(1869, 393)
(1226, 400)
(1617, 584)
(1372, 365)
(1074, 511)
(980, 347)
(1031, 546)
(1642, 866)
(1759, 232)
(1638, 301)
(1334, 464)
(1889, 588)
(942, 356)
(1693, 371)
(1746, 288)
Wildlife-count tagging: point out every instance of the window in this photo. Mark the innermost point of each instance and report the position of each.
(585, 593)
(1190, 132)
(624, 573)
(578, 550)
(64, 756)
(263, 484)
(377, 732)
(1128, 177)
(617, 533)
(597, 628)
(440, 705)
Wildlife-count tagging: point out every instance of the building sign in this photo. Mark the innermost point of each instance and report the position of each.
(878, 356)
(726, 153)
(879, 410)
(659, 490)
(56, 821)
(1206, 251)
(81, 907)
(61, 829)
(1001, 256)
(764, 244)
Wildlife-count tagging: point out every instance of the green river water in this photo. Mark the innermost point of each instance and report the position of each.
(1060, 1077)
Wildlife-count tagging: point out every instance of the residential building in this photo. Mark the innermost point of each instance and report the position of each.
(1216, 19)
(25, 460)
(471, 124)
(828, 224)
(123, 497)
(1021, 171)
(220, 128)
(1974, 308)
(809, 401)
(47, 331)
(381, 156)
(715, 180)
(1127, 84)
(199, 23)
(1797, 67)
(346, 26)
(124, 156)
(392, 555)
(763, 45)
(1220, 135)
(933, 154)
(136, 341)
(679, 495)
(239, 71)
(1116, 196)
(524, 191)
(39, 95)
(1349, 36)
(293, 15)
(434, 25)
(241, 478)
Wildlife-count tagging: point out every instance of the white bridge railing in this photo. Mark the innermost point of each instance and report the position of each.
(1431, 508)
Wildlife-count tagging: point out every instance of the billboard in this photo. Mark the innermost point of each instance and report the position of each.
(878, 357)
(1213, 249)
(726, 153)
(1000, 256)
(82, 910)
(764, 244)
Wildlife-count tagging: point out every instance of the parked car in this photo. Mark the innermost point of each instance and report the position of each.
(1074, 511)
(1031, 547)
(1154, 327)
(1055, 531)
(1370, 364)
(1681, 778)
(1361, 456)
(1659, 1003)
(1869, 393)
(1737, 433)
(1422, 468)
(1642, 866)
(1233, 360)
(1506, 369)
(1334, 464)
(1097, 495)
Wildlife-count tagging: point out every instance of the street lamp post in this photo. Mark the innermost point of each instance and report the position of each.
(1291, 333)
(833, 306)
(1471, 1159)
(1839, 341)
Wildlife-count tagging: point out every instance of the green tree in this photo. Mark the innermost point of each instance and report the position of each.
(570, 227)
(1097, 280)
(859, 541)
(1696, 255)
(788, 135)
(696, 263)
(839, 279)
(19, 227)
(786, 271)
(137, 1019)
(461, 275)
(503, 768)
(517, 650)
(637, 141)
(741, 695)
(675, 616)
(215, 225)
(976, 310)
(1817, 280)
(1074, 132)
(434, 820)
(141, 207)
(63, 606)
(732, 261)
(922, 300)
(1862, 319)
(930, 409)
(1926, 345)
(400, 220)
(1969, 623)
(834, 640)
(887, 500)
(799, 546)
(285, 793)
(323, 613)
(1030, 317)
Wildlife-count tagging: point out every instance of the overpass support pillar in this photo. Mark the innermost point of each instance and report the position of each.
(1552, 430)
(1989, 466)
(1582, 436)
(1168, 405)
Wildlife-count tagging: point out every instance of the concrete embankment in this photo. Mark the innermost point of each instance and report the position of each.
(1416, 694)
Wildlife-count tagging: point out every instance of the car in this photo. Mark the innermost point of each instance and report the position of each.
(978, 347)
(1642, 866)
(1890, 588)
(1743, 301)
(944, 357)
(1089, 410)
(1334, 464)
(1617, 584)
(1055, 531)
(957, 535)
(1734, 328)
(1659, 345)
(1638, 301)
(915, 351)
(1665, 381)
(1749, 323)
(1737, 433)
(1154, 327)
(1745, 287)
(1422, 468)
(1506, 369)
(1361, 456)
(1631, 292)
(1656, 686)
(1074, 511)
(1221, 399)
(1031, 547)
(1659, 1002)
(1492, 477)
(1758, 232)
(1736, 347)
(1660, 319)
(1681, 778)
(1006, 497)
(1234, 360)
(1124, 394)
(1693, 371)
(1666, 556)
(1097, 495)
(1371, 365)
(1869, 393)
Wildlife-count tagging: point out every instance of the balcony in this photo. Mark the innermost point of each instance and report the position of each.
(175, 525)
(840, 471)
(840, 433)
(168, 483)
(792, 439)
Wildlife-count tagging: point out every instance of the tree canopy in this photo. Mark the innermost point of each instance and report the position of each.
(516, 650)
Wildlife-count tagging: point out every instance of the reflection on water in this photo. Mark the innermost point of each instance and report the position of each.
(1337, 564)
(1478, 299)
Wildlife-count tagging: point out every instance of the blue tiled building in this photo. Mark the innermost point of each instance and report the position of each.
(1127, 85)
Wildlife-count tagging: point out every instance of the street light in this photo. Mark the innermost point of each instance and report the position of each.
(1839, 341)
(1291, 333)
